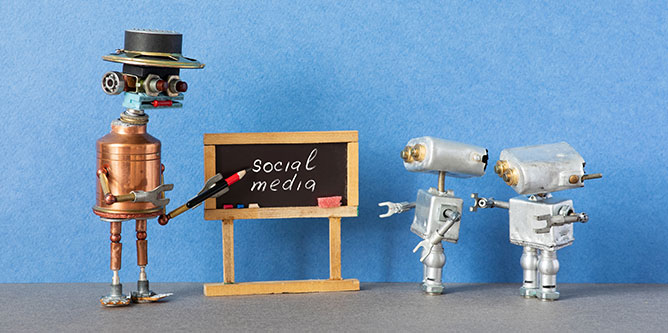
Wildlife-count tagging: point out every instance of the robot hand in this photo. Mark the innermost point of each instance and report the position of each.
(558, 220)
(486, 203)
(154, 196)
(437, 237)
(394, 208)
(426, 243)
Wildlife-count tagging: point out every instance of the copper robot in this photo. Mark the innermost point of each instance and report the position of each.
(130, 176)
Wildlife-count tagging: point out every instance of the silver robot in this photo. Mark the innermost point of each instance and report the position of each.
(437, 210)
(538, 222)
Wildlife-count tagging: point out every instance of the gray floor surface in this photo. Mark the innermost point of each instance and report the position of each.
(377, 307)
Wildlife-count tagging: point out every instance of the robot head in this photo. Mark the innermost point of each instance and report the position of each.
(151, 62)
(429, 154)
(542, 169)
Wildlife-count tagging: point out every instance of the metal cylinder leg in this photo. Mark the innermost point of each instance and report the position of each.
(116, 286)
(433, 270)
(143, 292)
(116, 246)
(529, 263)
(548, 266)
(115, 297)
(142, 249)
(142, 258)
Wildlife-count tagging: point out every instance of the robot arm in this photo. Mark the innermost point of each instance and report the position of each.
(155, 196)
(486, 203)
(452, 217)
(396, 208)
(552, 221)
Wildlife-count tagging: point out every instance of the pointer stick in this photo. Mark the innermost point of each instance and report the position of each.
(219, 186)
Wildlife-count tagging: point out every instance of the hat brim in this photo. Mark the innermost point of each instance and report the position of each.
(141, 60)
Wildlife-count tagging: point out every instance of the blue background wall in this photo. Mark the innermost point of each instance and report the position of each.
(498, 75)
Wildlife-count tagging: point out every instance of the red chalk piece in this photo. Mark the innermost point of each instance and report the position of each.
(228, 206)
(329, 202)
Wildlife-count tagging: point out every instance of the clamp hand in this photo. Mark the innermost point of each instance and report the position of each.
(480, 202)
(437, 237)
(154, 196)
(424, 243)
(558, 220)
(486, 203)
(394, 208)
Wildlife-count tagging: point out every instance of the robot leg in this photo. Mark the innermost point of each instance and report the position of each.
(433, 270)
(529, 263)
(143, 293)
(548, 265)
(116, 296)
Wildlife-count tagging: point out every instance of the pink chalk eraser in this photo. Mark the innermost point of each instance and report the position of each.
(228, 206)
(329, 202)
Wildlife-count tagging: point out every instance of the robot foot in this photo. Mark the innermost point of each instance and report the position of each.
(547, 295)
(528, 292)
(110, 301)
(432, 288)
(116, 297)
(149, 297)
(144, 295)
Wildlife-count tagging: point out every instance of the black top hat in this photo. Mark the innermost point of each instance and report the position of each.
(152, 48)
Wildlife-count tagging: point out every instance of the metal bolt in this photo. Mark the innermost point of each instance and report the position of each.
(419, 152)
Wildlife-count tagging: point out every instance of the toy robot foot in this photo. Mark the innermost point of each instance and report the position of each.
(547, 295)
(115, 300)
(528, 292)
(148, 297)
(432, 288)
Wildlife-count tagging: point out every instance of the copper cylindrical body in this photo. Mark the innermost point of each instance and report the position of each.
(132, 158)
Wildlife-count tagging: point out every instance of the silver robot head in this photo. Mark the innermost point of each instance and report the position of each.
(542, 169)
(429, 154)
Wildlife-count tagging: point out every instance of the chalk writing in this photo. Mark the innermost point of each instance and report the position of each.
(293, 183)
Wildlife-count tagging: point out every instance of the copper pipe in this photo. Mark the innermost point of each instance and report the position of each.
(142, 253)
(115, 228)
(116, 249)
(140, 226)
(116, 246)
(125, 197)
(104, 182)
(176, 212)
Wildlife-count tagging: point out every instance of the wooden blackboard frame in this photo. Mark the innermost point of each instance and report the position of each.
(352, 186)
(335, 282)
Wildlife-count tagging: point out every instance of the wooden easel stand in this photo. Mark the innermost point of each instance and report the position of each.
(335, 283)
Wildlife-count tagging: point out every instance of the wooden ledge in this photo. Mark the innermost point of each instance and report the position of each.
(278, 213)
(280, 287)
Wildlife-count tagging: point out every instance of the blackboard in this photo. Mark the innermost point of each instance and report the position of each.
(289, 171)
